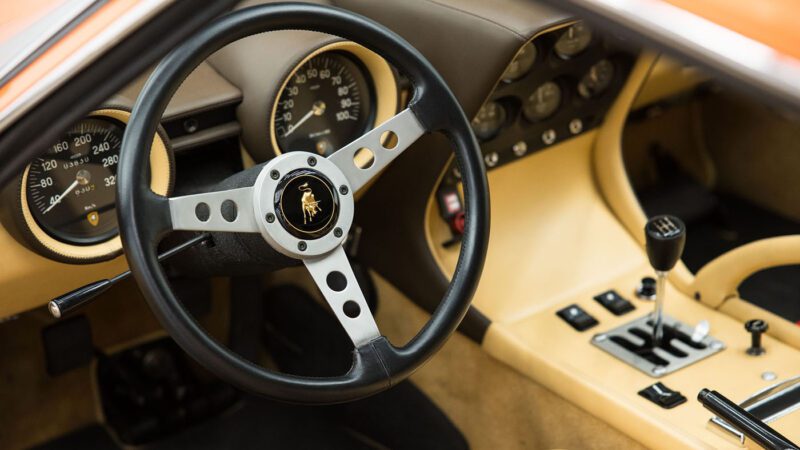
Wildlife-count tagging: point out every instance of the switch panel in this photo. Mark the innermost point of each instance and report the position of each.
(577, 317)
(612, 301)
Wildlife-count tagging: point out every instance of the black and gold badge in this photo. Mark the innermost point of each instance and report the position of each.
(307, 204)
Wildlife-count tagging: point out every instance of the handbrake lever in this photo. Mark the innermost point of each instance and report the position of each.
(737, 417)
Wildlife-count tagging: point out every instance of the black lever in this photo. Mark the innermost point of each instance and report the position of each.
(751, 426)
(756, 328)
(665, 237)
(73, 300)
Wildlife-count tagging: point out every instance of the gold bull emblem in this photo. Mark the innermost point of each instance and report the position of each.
(309, 203)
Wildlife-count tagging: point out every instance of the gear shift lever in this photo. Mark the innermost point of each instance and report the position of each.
(666, 236)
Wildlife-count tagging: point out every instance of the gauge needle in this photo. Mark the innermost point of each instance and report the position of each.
(63, 194)
(316, 110)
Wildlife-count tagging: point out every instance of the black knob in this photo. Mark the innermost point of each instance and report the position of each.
(666, 236)
(756, 328)
(647, 288)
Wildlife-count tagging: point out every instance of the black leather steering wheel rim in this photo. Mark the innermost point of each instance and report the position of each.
(144, 216)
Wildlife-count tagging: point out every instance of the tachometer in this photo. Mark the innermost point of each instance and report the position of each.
(71, 189)
(327, 103)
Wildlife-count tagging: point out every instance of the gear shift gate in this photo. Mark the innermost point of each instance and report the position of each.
(633, 344)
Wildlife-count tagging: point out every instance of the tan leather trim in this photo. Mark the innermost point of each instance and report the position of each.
(160, 182)
(379, 70)
(609, 166)
(719, 279)
(668, 78)
(563, 239)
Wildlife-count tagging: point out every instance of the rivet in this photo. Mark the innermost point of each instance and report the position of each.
(769, 376)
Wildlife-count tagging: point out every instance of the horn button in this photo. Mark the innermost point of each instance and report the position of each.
(306, 204)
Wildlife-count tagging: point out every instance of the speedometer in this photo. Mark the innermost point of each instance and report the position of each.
(327, 103)
(71, 188)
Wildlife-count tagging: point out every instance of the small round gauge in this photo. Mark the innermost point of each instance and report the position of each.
(574, 41)
(71, 189)
(597, 79)
(543, 102)
(327, 103)
(521, 64)
(489, 119)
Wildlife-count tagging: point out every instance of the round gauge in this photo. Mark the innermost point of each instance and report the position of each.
(597, 80)
(521, 64)
(543, 102)
(71, 189)
(574, 40)
(489, 119)
(326, 104)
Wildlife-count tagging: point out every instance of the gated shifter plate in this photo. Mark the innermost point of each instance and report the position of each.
(632, 343)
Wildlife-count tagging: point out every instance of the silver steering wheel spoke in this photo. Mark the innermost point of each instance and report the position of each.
(386, 142)
(227, 211)
(335, 278)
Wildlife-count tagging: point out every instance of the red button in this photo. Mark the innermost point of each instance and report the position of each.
(458, 223)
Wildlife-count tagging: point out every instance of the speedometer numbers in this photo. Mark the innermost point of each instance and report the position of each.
(71, 188)
(326, 103)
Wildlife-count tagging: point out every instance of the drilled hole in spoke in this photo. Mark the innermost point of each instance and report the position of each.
(351, 309)
(336, 281)
(363, 158)
(229, 210)
(389, 140)
(202, 212)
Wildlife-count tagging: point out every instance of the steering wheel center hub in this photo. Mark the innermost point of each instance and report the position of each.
(306, 204)
(300, 201)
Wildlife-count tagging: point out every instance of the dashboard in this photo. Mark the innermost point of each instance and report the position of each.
(63, 206)
(316, 94)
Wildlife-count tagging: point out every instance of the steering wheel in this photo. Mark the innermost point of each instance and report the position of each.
(302, 205)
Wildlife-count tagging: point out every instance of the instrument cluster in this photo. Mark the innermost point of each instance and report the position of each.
(63, 206)
(559, 85)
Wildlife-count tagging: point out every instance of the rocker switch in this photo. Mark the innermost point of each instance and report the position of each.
(577, 317)
(615, 303)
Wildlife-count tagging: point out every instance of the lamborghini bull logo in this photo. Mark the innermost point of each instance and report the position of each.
(309, 203)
